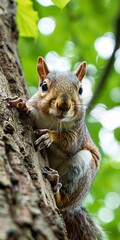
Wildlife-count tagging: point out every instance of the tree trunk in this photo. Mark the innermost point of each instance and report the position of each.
(27, 205)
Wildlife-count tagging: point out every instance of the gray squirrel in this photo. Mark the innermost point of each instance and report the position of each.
(57, 112)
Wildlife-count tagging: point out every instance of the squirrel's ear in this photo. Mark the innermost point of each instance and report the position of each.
(42, 69)
(81, 71)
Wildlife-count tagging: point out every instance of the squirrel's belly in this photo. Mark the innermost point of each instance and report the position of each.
(55, 157)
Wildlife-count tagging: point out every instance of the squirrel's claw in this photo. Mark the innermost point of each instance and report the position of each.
(49, 170)
(57, 187)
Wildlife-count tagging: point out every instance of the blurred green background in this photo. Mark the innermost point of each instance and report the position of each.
(66, 35)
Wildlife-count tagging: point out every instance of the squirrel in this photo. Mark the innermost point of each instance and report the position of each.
(57, 112)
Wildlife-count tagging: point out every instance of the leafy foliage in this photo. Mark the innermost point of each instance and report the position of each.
(27, 18)
(60, 3)
(77, 27)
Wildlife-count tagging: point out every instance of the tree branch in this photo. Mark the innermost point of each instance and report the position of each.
(108, 67)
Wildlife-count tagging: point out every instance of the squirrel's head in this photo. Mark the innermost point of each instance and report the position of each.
(60, 93)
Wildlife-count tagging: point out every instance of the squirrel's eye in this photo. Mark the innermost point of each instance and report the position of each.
(80, 90)
(44, 87)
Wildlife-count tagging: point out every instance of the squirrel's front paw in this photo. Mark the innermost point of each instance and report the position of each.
(17, 102)
(44, 141)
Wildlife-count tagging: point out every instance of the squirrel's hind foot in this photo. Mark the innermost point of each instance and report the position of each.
(53, 177)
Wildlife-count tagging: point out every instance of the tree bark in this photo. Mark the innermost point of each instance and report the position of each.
(27, 206)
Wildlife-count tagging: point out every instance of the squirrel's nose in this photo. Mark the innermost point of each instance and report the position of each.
(63, 104)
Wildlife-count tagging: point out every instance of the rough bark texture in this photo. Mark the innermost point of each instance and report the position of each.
(27, 206)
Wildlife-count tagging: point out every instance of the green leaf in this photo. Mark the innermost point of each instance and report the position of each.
(26, 18)
(60, 3)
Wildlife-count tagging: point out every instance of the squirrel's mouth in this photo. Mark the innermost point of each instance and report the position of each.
(64, 118)
(62, 115)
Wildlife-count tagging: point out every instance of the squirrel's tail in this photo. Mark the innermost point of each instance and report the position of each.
(80, 225)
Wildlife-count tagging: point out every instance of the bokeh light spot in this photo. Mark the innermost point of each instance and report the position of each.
(56, 62)
(115, 94)
(117, 61)
(112, 200)
(106, 215)
(105, 45)
(45, 3)
(46, 25)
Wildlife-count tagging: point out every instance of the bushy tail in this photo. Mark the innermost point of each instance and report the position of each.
(80, 225)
